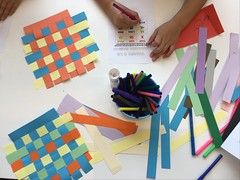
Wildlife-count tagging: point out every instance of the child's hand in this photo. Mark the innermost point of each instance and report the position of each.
(118, 18)
(8, 7)
(164, 39)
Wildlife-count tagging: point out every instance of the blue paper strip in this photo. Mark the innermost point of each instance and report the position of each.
(84, 164)
(79, 17)
(28, 38)
(33, 57)
(165, 138)
(236, 94)
(153, 146)
(38, 122)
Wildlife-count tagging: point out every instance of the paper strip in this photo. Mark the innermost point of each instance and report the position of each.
(191, 132)
(153, 145)
(210, 66)
(177, 72)
(212, 125)
(165, 138)
(224, 76)
(236, 94)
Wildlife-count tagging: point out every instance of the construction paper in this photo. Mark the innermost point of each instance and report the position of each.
(186, 58)
(236, 94)
(153, 145)
(200, 69)
(174, 100)
(233, 77)
(59, 48)
(225, 73)
(48, 147)
(191, 132)
(191, 89)
(210, 66)
(211, 121)
(207, 17)
(69, 104)
(126, 128)
(165, 138)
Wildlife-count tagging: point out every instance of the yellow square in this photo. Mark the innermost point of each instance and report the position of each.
(34, 66)
(42, 131)
(79, 141)
(27, 49)
(55, 75)
(64, 52)
(41, 43)
(39, 83)
(48, 59)
(70, 67)
(46, 160)
(57, 36)
(62, 120)
(26, 139)
(63, 150)
(10, 148)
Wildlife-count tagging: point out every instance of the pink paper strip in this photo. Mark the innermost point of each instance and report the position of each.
(177, 72)
(224, 76)
(200, 74)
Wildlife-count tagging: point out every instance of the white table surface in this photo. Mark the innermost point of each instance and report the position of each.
(20, 103)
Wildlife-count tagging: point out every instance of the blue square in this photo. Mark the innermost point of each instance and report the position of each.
(28, 39)
(50, 126)
(30, 147)
(19, 143)
(46, 139)
(42, 151)
(59, 63)
(79, 17)
(75, 56)
(55, 155)
(46, 31)
(33, 176)
(68, 41)
(92, 48)
(63, 130)
(38, 165)
(68, 158)
(63, 172)
(52, 48)
(72, 145)
(77, 175)
(84, 33)
(41, 72)
(34, 135)
(51, 170)
(26, 160)
(61, 25)
(59, 142)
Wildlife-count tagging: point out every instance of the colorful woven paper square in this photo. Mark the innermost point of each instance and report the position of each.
(48, 147)
(59, 48)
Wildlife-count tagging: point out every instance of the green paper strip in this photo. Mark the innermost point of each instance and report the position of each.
(209, 151)
(182, 83)
(191, 89)
(17, 155)
(211, 122)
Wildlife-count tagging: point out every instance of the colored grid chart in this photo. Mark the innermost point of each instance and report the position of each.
(59, 48)
(48, 147)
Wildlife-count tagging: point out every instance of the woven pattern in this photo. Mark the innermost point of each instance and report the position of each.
(59, 48)
(48, 147)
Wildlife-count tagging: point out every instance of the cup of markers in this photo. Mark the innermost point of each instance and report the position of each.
(137, 95)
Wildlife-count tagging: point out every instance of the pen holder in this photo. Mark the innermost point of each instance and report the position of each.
(137, 95)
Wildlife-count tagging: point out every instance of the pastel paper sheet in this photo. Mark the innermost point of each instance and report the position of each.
(69, 104)
(48, 147)
(59, 48)
(207, 17)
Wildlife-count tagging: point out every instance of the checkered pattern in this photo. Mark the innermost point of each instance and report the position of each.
(48, 147)
(59, 48)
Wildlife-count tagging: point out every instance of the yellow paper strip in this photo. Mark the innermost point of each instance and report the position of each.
(27, 49)
(89, 58)
(39, 83)
(62, 120)
(78, 27)
(25, 171)
(84, 42)
(34, 66)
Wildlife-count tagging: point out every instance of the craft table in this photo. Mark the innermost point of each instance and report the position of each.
(21, 103)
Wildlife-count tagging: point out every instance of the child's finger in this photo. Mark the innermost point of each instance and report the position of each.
(6, 10)
(170, 51)
(2, 8)
(128, 21)
(14, 7)
(153, 36)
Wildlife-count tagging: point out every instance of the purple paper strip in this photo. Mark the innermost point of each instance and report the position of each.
(177, 72)
(224, 76)
(70, 104)
(200, 74)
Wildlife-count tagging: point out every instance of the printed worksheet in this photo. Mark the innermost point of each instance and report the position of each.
(128, 46)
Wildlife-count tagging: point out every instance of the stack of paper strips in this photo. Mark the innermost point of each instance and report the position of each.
(59, 48)
(49, 147)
